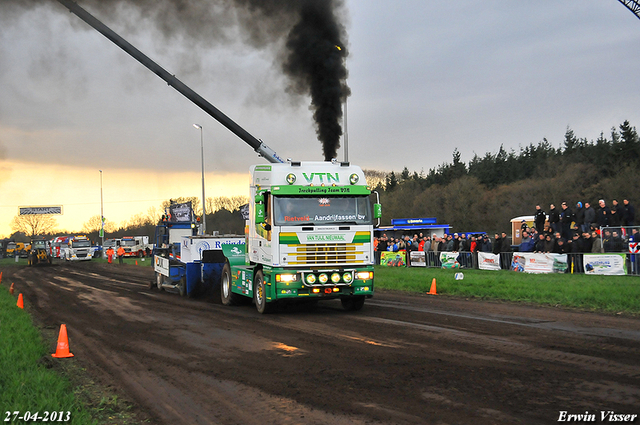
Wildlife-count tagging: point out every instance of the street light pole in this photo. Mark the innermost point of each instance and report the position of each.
(204, 205)
(101, 212)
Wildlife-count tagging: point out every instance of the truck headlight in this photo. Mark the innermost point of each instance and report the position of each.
(286, 278)
(364, 275)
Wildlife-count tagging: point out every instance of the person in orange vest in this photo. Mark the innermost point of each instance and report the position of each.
(120, 253)
(110, 254)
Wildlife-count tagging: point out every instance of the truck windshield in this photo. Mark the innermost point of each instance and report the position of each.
(39, 245)
(321, 210)
(81, 244)
(128, 242)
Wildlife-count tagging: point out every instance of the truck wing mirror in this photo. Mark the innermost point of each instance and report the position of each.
(377, 208)
(377, 211)
(259, 210)
(259, 215)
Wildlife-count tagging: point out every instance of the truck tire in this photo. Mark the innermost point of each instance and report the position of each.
(259, 294)
(226, 295)
(354, 303)
(159, 279)
(182, 286)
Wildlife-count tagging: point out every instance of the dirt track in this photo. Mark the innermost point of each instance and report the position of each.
(401, 360)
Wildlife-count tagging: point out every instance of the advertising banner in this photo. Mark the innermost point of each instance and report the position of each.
(418, 259)
(393, 259)
(488, 261)
(53, 209)
(610, 264)
(529, 262)
(449, 260)
(180, 212)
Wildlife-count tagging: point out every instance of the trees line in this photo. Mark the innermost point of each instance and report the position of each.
(485, 193)
(222, 215)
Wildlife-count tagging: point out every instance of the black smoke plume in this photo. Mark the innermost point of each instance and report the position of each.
(312, 32)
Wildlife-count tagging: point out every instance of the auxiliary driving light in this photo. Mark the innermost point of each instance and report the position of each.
(353, 178)
(311, 279)
(347, 277)
(323, 278)
(335, 277)
(291, 178)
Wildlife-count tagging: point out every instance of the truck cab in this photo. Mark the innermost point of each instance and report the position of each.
(58, 245)
(135, 246)
(10, 250)
(78, 249)
(310, 236)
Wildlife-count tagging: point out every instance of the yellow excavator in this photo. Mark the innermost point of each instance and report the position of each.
(39, 253)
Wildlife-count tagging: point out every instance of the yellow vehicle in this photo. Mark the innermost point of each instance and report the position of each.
(11, 249)
(22, 249)
(39, 252)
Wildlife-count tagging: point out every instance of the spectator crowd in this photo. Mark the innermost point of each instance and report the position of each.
(560, 231)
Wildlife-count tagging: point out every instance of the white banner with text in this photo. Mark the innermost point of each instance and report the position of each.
(530, 262)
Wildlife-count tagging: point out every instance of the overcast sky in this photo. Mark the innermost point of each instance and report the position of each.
(426, 77)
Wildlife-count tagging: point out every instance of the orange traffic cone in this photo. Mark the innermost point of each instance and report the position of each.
(62, 351)
(432, 291)
(136, 262)
(11, 289)
(20, 302)
(0, 277)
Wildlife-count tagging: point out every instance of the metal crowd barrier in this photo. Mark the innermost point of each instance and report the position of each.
(469, 260)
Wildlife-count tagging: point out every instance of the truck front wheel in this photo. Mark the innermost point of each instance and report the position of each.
(260, 295)
(352, 303)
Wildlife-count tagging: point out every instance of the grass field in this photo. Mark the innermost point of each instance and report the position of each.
(28, 384)
(33, 381)
(610, 294)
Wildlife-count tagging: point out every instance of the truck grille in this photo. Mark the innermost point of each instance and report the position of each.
(329, 253)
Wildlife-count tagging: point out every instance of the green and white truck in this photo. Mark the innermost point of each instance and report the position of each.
(310, 236)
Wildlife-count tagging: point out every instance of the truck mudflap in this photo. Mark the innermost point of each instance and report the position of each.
(161, 265)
